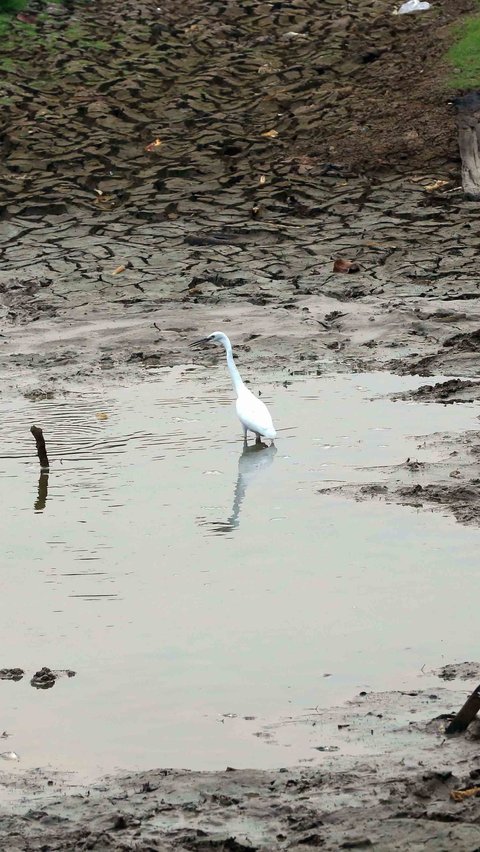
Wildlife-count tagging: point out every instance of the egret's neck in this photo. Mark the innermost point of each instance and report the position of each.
(232, 369)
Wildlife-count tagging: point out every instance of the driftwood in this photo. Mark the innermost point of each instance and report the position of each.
(468, 119)
(41, 448)
(466, 714)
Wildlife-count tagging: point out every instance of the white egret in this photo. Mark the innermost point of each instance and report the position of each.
(251, 411)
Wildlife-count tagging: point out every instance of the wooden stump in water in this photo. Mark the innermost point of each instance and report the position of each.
(41, 448)
(468, 119)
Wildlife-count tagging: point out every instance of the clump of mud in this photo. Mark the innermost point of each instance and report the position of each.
(459, 671)
(11, 674)
(45, 678)
(448, 392)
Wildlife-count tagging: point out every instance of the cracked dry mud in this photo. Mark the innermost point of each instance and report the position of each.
(114, 256)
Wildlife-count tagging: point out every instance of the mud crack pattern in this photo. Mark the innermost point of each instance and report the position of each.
(265, 115)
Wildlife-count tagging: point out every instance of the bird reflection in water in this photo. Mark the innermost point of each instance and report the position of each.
(42, 494)
(254, 459)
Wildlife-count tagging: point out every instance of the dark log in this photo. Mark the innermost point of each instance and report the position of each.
(41, 448)
(468, 119)
(466, 714)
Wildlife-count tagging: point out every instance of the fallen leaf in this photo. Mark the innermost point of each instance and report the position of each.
(342, 265)
(262, 179)
(118, 270)
(9, 755)
(105, 201)
(101, 415)
(153, 145)
(460, 795)
(437, 184)
(270, 134)
(268, 68)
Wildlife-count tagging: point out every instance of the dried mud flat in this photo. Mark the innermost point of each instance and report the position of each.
(289, 135)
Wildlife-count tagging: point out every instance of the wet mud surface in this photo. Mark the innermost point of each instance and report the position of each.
(400, 792)
(280, 151)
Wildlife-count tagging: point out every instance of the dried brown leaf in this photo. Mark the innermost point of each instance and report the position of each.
(437, 184)
(342, 265)
(460, 795)
(153, 145)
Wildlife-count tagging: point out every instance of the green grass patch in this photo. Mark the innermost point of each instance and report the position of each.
(8, 10)
(75, 32)
(98, 45)
(80, 36)
(12, 7)
(464, 56)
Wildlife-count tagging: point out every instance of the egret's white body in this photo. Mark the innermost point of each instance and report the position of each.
(251, 411)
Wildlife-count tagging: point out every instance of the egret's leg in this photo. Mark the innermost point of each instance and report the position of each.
(244, 436)
(258, 439)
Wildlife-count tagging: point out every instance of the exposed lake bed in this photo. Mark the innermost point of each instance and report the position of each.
(206, 648)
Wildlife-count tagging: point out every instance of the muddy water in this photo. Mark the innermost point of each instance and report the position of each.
(190, 585)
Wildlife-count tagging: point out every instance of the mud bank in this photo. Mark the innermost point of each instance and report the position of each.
(385, 784)
(450, 484)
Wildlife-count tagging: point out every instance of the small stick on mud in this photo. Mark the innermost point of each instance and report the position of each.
(466, 714)
(41, 448)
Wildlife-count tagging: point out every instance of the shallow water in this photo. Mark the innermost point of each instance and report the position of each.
(190, 585)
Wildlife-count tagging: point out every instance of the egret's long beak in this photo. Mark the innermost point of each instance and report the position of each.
(199, 342)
